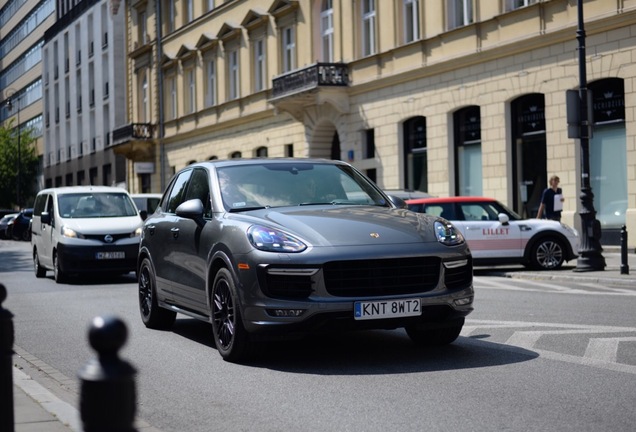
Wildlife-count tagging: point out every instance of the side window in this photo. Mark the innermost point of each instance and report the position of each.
(477, 212)
(177, 192)
(40, 202)
(200, 188)
(49, 208)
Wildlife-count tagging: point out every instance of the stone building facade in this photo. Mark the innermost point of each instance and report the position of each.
(454, 97)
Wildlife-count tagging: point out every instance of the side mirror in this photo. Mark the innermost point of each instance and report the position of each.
(45, 218)
(503, 218)
(192, 209)
(143, 214)
(398, 202)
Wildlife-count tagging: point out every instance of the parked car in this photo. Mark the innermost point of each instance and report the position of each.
(6, 223)
(84, 229)
(20, 227)
(146, 203)
(270, 247)
(497, 235)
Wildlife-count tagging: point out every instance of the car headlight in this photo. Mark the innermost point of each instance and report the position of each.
(273, 240)
(71, 233)
(447, 234)
(136, 233)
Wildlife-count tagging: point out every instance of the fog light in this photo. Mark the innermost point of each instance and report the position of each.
(286, 313)
(463, 301)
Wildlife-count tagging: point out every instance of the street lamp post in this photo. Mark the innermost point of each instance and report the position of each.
(10, 107)
(590, 257)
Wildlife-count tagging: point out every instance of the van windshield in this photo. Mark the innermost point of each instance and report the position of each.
(95, 205)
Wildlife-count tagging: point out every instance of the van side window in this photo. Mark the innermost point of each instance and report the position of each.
(50, 209)
(40, 203)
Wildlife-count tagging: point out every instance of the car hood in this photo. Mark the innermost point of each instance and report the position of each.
(348, 225)
(114, 225)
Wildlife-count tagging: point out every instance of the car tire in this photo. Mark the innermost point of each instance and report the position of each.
(40, 271)
(230, 337)
(58, 273)
(152, 315)
(434, 336)
(25, 235)
(547, 254)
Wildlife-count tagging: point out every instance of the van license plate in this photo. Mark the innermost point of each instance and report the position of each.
(110, 255)
(387, 309)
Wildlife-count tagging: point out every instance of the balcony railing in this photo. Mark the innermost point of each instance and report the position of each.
(132, 132)
(317, 75)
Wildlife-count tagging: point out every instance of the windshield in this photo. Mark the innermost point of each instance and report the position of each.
(295, 184)
(95, 205)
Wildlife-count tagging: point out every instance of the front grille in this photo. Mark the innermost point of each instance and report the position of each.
(459, 277)
(100, 237)
(381, 277)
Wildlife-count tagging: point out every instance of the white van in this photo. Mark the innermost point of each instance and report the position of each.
(84, 229)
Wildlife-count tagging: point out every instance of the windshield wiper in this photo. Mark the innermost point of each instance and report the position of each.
(243, 209)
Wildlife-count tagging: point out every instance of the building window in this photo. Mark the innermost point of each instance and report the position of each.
(143, 31)
(261, 152)
(210, 91)
(468, 166)
(191, 91)
(289, 150)
(289, 48)
(369, 144)
(144, 111)
(415, 157)
(259, 65)
(233, 74)
(209, 4)
(189, 10)
(460, 13)
(368, 27)
(411, 20)
(170, 16)
(235, 155)
(171, 97)
(326, 30)
(516, 4)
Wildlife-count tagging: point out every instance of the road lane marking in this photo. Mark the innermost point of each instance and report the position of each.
(605, 349)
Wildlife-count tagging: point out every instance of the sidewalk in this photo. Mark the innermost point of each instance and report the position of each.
(36, 409)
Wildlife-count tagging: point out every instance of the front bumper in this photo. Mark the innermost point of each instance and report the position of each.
(83, 259)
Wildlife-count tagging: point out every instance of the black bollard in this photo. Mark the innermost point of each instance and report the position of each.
(107, 388)
(624, 265)
(7, 420)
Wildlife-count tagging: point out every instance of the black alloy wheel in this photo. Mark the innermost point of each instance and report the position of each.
(58, 273)
(230, 336)
(152, 315)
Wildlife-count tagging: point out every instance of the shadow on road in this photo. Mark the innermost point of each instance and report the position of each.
(365, 352)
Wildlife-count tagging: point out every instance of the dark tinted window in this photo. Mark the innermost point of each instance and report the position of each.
(177, 191)
(199, 188)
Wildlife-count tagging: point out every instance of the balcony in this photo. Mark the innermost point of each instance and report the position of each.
(313, 85)
(136, 141)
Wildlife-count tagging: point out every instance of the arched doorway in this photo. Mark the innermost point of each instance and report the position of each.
(324, 142)
(529, 154)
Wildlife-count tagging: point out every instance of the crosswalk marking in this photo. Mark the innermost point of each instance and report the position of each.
(600, 352)
(586, 288)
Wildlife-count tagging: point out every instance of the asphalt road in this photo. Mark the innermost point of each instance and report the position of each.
(534, 356)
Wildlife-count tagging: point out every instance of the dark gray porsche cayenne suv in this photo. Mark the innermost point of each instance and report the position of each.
(267, 248)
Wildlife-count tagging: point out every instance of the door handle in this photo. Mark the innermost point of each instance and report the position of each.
(175, 232)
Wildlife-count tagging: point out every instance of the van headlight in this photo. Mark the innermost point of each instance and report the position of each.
(69, 232)
(136, 233)
(447, 234)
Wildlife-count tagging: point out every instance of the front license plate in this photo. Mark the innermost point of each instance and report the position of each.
(110, 255)
(387, 309)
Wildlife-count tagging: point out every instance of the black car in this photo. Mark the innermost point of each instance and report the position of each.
(20, 227)
(269, 247)
(6, 224)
